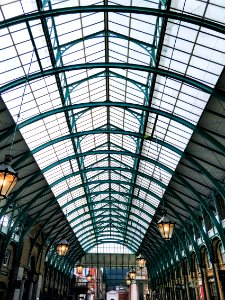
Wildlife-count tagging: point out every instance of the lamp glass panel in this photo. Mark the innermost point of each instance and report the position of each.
(62, 249)
(80, 269)
(141, 262)
(132, 275)
(7, 183)
(166, 230)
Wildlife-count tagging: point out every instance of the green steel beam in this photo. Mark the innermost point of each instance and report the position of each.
(170, 171)
(117, 9)
(162, 72)
(195, 218)
(105, 33)
(151, 251)
(37, 197)
(185, 228)
(201, 200)
(107, 216)
(161, 253)
(74, 200)
(34, 240)
(193, 161)
(63, 98)
(200, 131)
(130, 246)
(167, 169)
(89, 238)
(53, 201)
(220, 233)
(45, 223)
(142, 87)
(158, 36)
(166, 245)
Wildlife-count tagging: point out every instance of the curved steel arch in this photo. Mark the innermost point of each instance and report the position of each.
(74, 174)
(118, 202)
(147, 159)
(175, 118)
(208, 210)
(75, 199)
(53, 201)
(114, 216)
(217, 185)
(104, 33)
(106, 237)
(165, 168)
(80, 197)
(100, 216)
(118, 241)
(162, 255)
(114, 8)
(108, 74)
(199, 199)
(100, 104)
(194, 243)
(40, 193)
(106, 223)
(165, 73)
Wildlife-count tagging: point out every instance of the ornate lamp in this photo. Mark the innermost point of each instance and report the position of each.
(165, 227)
(132, 274)
(141, 261)
(62, 247)
(88, 276)
(128, 281)
(8, 178)
(79, 268)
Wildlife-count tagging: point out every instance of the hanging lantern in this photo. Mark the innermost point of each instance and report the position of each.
(128, 281)
(62, 247)
(79, 268)
(165, 227)
(132, 274)
(8, 178)
(88, 276)
(141, 261)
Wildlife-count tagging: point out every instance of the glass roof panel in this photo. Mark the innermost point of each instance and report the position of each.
(89, 53)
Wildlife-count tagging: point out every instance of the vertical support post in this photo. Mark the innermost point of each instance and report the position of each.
(213, 261)
(207, 291)
(39, 283)
(22, 288)
(187, 287)
(219, 287)
(204, 279)
(30, 290)
(133, 289)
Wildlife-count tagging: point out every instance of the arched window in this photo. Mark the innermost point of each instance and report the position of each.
(220, 253)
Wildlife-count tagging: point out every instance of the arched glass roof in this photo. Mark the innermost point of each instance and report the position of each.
(110, 248)
(107, 98)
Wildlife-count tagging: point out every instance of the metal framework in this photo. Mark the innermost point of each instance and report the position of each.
(111, 102)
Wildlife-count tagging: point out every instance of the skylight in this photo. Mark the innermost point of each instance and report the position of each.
(89, 77)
